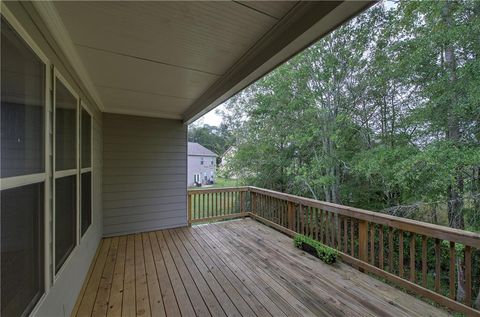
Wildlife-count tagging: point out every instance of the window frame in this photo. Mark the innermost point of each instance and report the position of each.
(83, 170)
(23, 180)
(64, 173)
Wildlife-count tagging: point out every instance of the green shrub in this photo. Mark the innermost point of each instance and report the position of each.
(323, 252)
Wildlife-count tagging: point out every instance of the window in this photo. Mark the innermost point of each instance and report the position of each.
(65, 128)
(86, 171)
(65, 214)
(86, 134)
(201, 161)
(23, 80)
(211, 163)
(65, 218)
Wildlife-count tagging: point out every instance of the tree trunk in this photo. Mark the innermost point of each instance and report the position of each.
(434, 214)
(455, 190)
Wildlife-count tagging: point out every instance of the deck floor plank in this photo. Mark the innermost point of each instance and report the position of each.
(181, 294)
(166, 288)
(335, 299)
(338, 296)
(232, 292)
(244, 291)
(155, 295)
(129, 300)
(380, 294)
(116, 293)
(212, 303)
(86, 306)
(193, 293)
(232, 268)
(103, 294)
(275, 305)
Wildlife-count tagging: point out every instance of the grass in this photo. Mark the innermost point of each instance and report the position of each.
(225, 182)
(221, 182)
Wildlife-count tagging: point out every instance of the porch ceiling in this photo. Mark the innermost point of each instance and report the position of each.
(180, 59)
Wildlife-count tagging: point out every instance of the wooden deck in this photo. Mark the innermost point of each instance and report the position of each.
(235, 268)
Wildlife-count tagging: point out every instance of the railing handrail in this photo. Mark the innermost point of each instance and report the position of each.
(218, 190)
(419, 227)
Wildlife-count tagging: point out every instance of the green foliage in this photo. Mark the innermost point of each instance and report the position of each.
(323, 252)
(217, 139)
(382, 114)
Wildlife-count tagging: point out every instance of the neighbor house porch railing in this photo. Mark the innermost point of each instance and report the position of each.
(409, 253)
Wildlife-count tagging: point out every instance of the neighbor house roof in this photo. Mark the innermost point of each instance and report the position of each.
(199, 150)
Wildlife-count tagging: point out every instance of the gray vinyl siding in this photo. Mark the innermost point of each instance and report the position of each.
(145, 170)
(62, 293)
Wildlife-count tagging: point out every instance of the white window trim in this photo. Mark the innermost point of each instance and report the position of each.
(83, 170)
(18, 181)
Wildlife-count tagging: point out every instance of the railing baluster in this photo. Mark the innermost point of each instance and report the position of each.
(380, 247)
(372, 243)
(352, 237)
(468, 276)
(452, 270)
(437, 265)
(390, 249)
(310, 211)
(412, 257)
(339, 233)
(345, 233)
(321, 226)
(424, 261)
(400, 253)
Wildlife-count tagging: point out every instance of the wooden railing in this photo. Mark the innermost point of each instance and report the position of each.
(425, 259)
(215, 204)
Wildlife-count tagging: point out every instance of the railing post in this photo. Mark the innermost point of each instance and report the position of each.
(189, 209)
(291, 216)
(362, 240)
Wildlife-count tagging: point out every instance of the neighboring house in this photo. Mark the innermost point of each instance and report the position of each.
(201, 165)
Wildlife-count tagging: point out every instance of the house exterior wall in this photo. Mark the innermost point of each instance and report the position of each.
(63, 289)
(145, 171)
(196, 168)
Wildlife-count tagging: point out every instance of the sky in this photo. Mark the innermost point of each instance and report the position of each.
(211, 118)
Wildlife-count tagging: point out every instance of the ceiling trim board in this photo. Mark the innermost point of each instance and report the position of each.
(101, 86)
(256, 10)
(297, 30)
(54, 23)
(142, 113)
(146, 59)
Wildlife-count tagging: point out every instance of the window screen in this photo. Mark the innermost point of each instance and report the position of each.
(22, 248)
(86, 201)
(22, 107)
(65, 128)
(65, 218)
(86, 139)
